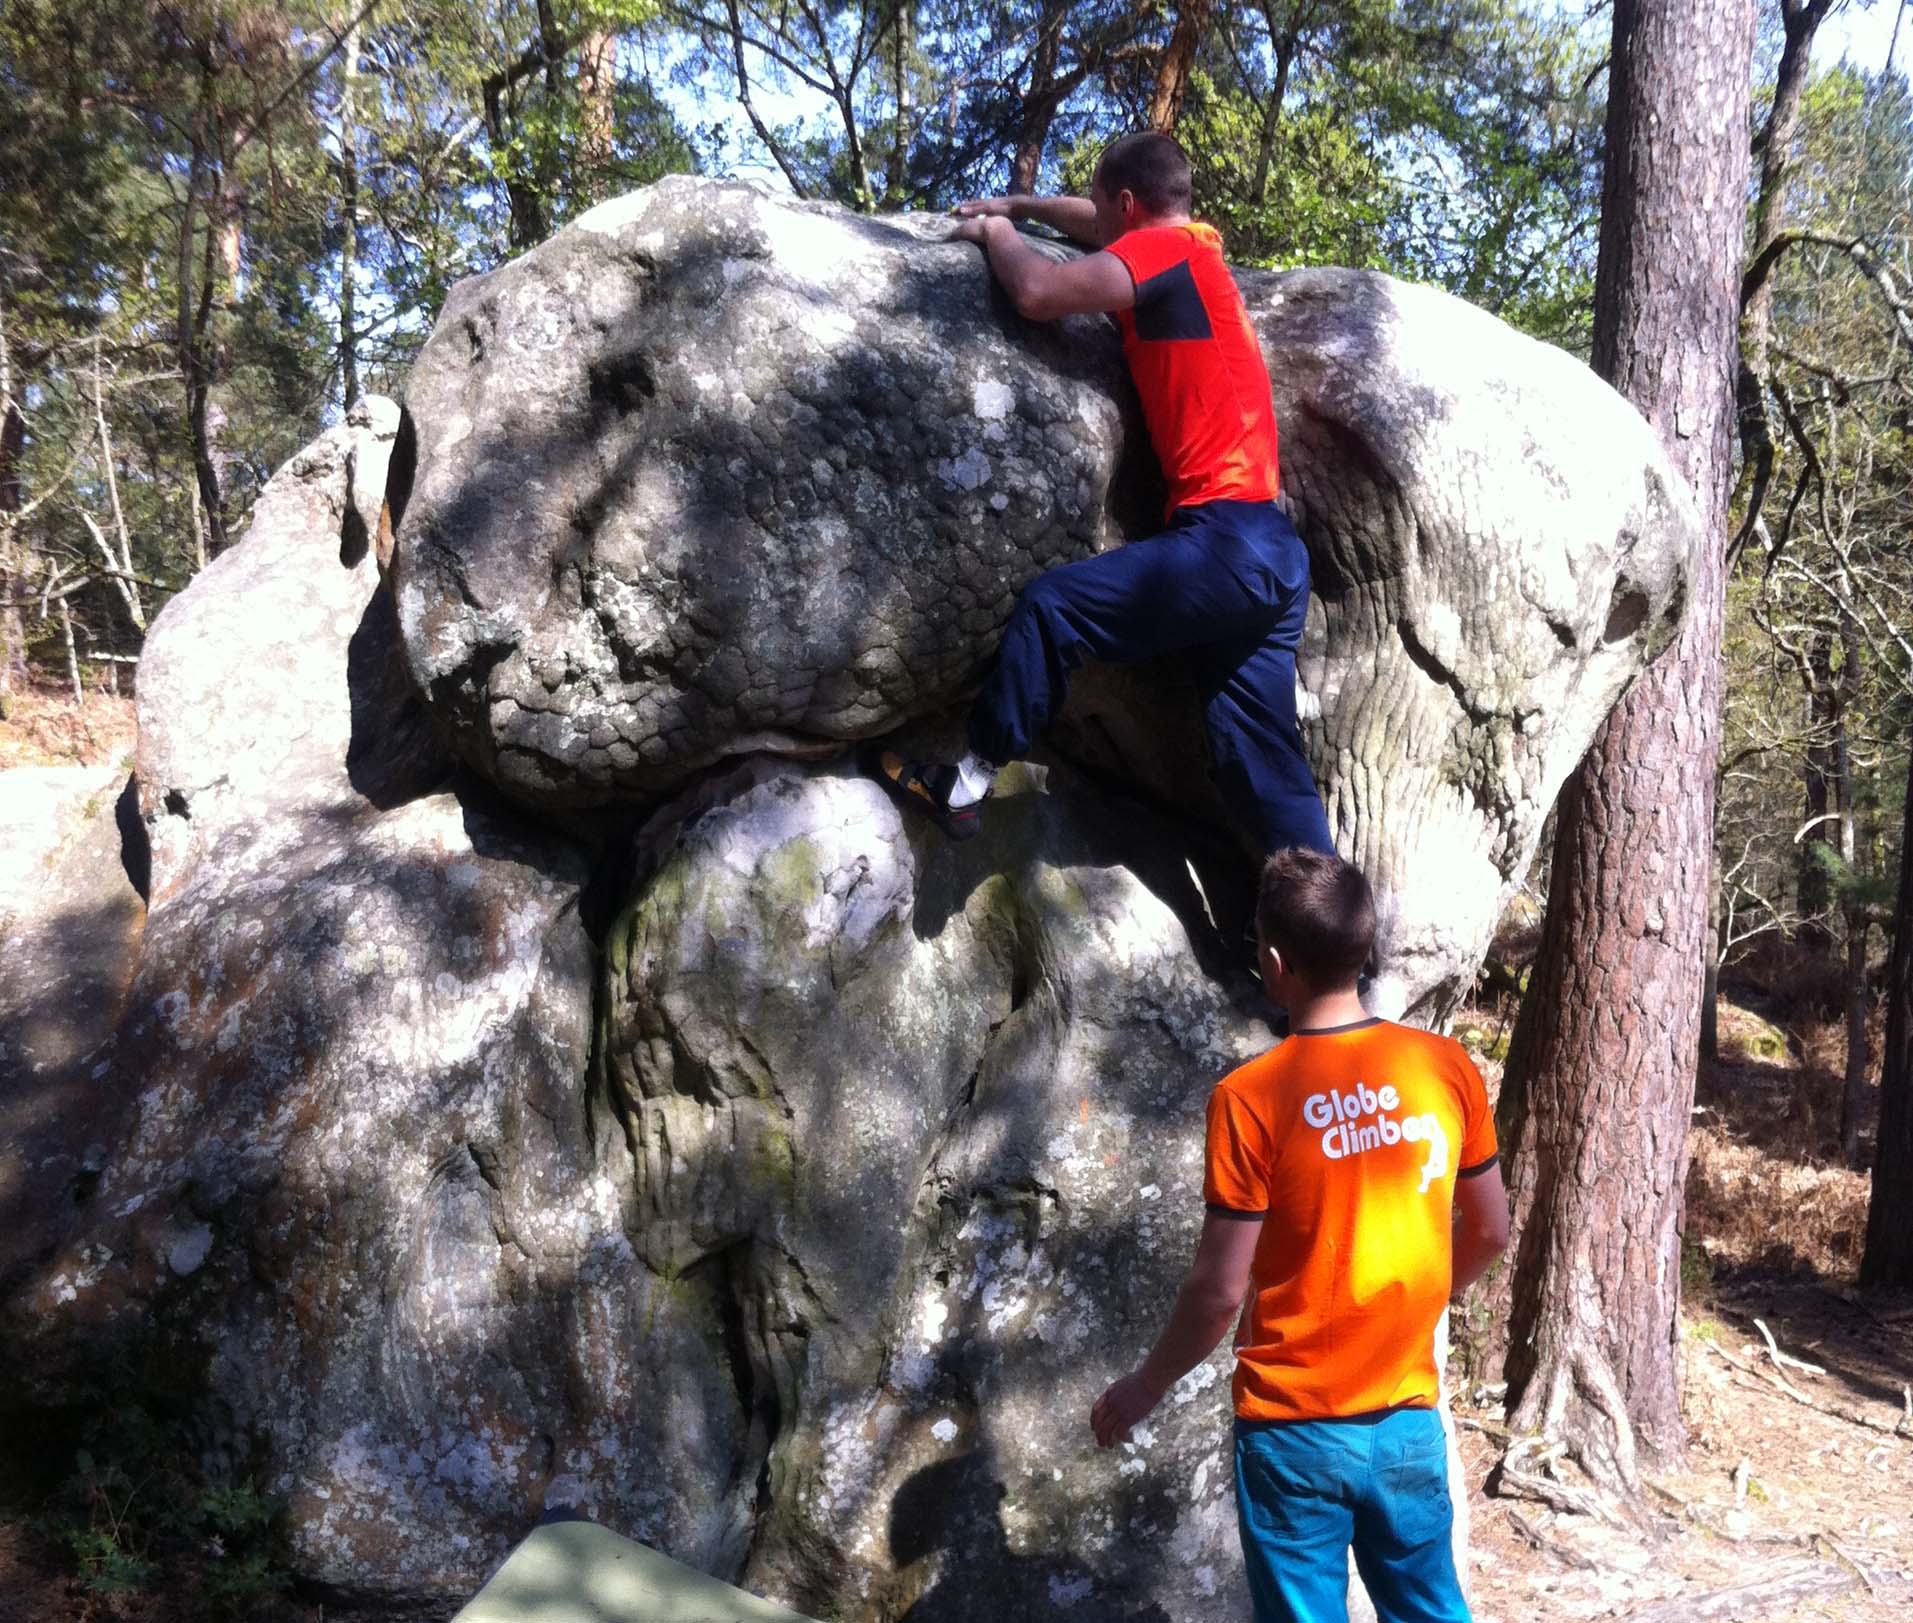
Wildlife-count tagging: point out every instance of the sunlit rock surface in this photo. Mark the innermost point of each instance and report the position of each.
(774, 1182)
(935, 1113)
(339, 1160)
(714, 472)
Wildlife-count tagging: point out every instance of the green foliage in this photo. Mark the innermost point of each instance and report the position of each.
(1820, 675)
(135, 1511)
(117, 1474)
(1453, 144)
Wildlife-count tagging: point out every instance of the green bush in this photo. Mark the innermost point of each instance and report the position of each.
(136, 1514)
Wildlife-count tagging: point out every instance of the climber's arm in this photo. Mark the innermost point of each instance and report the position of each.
(1206, 1306)
(1044, 289)
(1075, 217)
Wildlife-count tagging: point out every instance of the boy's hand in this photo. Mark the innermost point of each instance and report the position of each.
(974, 229)
(985, 206)
(1126, 1402)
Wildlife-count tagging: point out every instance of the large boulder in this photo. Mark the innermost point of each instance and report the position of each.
(714, 472)
(779, 1185)
(346, 1185)
(70, 918)
(709, 473)
(933, 1117)
(274, 684)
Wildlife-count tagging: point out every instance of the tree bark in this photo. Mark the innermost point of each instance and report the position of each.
(1888, 1258)
(1284, 45)
(1853, 911)
(1710, 970)
(597, 109)
(1172, 78)
(13, 440)
(72, 655)
(903, 29)
(1853, 1090)
(1813, 885)
(119, 563)
(207, 534)
(1601, 1071)
(202, 423)
(1040, 102)
(527, 196)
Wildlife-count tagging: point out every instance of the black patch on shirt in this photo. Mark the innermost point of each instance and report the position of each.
(1169, 307)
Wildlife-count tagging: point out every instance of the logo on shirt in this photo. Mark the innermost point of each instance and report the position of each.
(1353, 1123)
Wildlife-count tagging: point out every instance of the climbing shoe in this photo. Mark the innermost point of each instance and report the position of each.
(924, 786)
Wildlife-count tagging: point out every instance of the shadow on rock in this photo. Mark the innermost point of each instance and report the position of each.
(954, 1506)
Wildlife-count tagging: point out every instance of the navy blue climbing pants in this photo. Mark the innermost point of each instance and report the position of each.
(1225, 589)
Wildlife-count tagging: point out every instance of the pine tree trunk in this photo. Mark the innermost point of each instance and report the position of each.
(13, 439)
(1813, 885)
(1284, 48)
(1853, 917)
(1888, 1259)
(1853, 1091)
(597, 110)
(1172, 79)
(1601, 1071)
(1710, 974)
(72, 656)
(902, 43)
(1040, 103)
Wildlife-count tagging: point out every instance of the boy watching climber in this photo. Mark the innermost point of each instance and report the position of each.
(1226, 584)
(1351, 1184)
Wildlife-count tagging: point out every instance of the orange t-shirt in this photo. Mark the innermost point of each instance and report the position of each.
(1347, 1143)
(1198, 368)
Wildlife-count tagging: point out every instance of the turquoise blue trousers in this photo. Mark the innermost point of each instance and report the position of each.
(1309, 1491)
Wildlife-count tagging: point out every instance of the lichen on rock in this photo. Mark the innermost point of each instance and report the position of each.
(714, 472)
(774, 1181)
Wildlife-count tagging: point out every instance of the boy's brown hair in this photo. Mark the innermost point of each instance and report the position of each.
(1150, 166)
(1317, 911)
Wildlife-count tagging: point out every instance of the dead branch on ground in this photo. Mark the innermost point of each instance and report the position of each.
(1901, 1427)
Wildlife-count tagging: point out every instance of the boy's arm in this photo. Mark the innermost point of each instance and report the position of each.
(1075, 217)
(1044, 289)
(1206, 1307)
(1481, 1224)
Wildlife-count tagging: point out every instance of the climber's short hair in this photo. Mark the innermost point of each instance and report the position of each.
(1152, 167)
(1317, 911)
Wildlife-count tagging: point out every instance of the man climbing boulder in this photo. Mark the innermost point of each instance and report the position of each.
(1225, 585)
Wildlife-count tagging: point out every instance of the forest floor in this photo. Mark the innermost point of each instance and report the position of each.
(46, 728)
(1778, 1501)
(1775, 1497)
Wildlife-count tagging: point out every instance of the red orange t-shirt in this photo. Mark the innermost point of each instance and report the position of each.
(1348, 1144)
(1198, 368)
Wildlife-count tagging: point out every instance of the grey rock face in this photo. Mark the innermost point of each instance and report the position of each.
(70, 921)
(345, 1163)
(273, 685)
(934, 1114)
(710, 473)
(352, 1171)
(1499, 546)
(714, 472)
